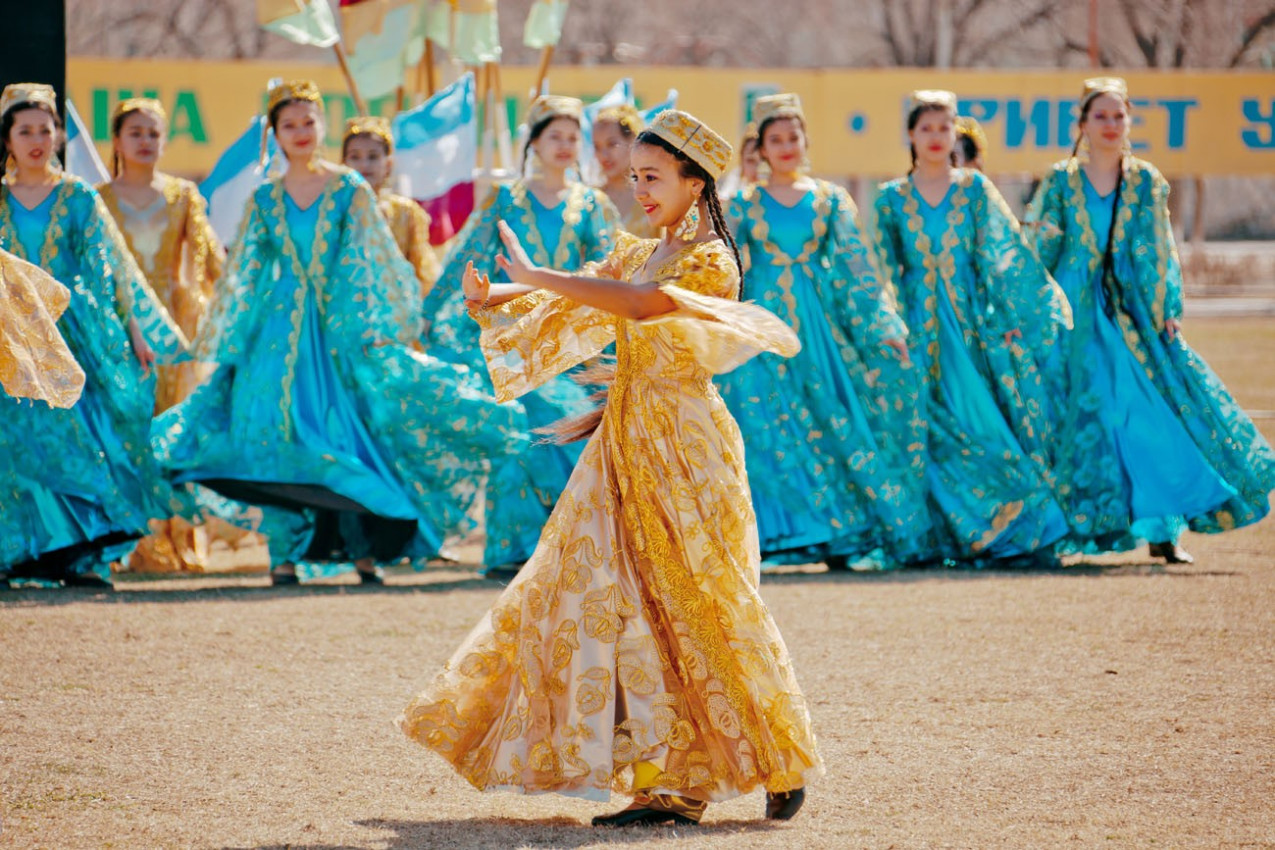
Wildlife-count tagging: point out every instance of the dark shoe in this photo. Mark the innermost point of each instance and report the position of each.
(785, 804)
(278, 579)
(504, 572)
(91, 580)
(642, 816)
(1171, 552)
(837, 563)
(370, 577)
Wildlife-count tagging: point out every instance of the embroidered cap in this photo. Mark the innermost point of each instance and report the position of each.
(968, 127)
(554, 106)
(695, 139)
(129, 105)
(1095, 86)
(370, 125)
(940, 98)
(16, 93)
(626, 115)
(293, 90)
(775, 106)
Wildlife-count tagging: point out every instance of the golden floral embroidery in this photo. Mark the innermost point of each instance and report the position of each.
(650, 556)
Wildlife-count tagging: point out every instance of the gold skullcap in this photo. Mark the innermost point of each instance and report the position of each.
(940, 98)
(16, 93)
(130, 105)
(967, 126)
(693, 138)
(750, 132)
(370, 125)
(554, 106)
(775, 106)
(293, 90)
(626, 115)
(1095, 86)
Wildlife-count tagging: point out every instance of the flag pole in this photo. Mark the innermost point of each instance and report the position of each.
(502, 119)
(542, 72)
(339, 50)
(431, 84)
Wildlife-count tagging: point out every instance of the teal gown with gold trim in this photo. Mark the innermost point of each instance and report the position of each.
(832, 437)
(967, 278)
(319, 398)
(1149, 440)
(90, 470)
(524, 487)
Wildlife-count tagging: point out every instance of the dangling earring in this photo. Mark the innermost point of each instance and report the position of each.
(535, 169)
(689, 225)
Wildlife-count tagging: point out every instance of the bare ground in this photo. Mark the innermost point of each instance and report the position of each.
(1116, 704)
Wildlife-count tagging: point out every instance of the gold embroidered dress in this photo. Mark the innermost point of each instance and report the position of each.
(410, 226)
(633, 649)
(177, 250)
(34, 360)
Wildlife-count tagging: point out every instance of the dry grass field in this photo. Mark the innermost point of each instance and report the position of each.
(1109, 705)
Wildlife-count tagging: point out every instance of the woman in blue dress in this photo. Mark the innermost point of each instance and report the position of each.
(114, 326)
(982, 314)
(564, 224)
(318, 399)
(1149, 441)
(831, 451)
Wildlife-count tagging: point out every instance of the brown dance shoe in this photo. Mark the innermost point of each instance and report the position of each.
(784, 804)
(1171, 552)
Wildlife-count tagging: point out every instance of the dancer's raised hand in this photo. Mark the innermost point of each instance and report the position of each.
(477, 287)
(514, 262)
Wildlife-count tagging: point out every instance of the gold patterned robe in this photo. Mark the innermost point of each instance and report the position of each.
(34, 360)
(410, 225)
(633, 650)
(176, 248)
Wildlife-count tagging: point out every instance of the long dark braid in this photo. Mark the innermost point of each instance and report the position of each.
(718, 218)
(691, 169)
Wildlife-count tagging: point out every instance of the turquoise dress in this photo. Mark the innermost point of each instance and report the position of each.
(523, 488)
(87, 475)
(967, 278)
(831, 434)
(318, 398)
(1149, 441)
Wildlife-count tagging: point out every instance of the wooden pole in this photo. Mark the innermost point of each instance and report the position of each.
(542, 72)
(1095, 55)
(431, 84)
(339, 50)
(502, 120)
(489, 118)
(349, 79)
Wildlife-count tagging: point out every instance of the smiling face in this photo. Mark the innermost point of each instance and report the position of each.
(33, 138)
(933, 135)
(659, 187)
(558, 145)
(783, 145)
(1106, 123)
(298, 126)
(611, 147)
(140, 138)
(367, 155)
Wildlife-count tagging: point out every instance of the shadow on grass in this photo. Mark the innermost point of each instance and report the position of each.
(503, 833)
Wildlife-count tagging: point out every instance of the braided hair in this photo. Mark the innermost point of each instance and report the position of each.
(690, 169)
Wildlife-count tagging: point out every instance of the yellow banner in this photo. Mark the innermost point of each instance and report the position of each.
(1207, 123)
